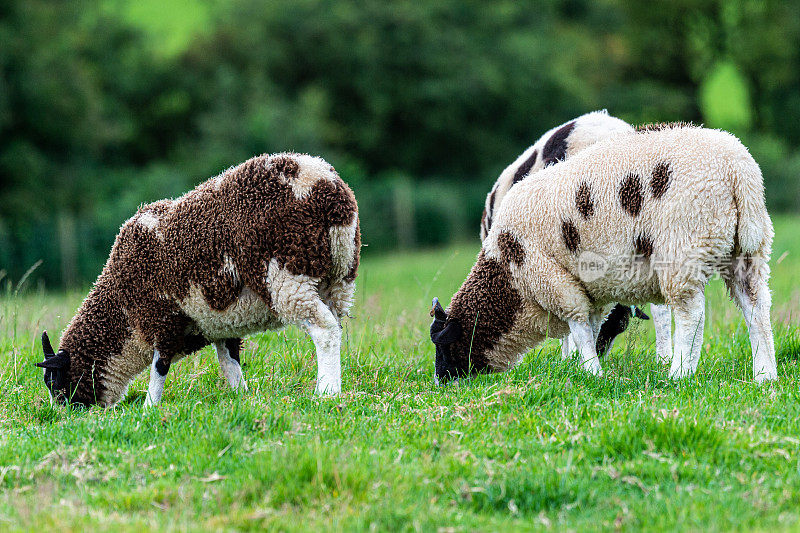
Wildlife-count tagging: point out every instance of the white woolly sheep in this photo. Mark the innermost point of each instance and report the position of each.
(271, 242)
(645, 216)
(559, 144)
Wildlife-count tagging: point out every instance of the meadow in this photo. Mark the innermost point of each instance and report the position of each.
(543, 446)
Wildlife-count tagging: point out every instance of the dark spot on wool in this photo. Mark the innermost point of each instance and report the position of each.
(555, 149)
(570, 235)
(659, 182)
(644, 246)
(630, 195)
(234, 347)
(510, 248)
(659, 126)
(583, 201)
(284, 165)
(250, 215)
(525, 167)
(485, 308)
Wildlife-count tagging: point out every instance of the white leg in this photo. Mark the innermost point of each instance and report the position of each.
(689, 318)
(158, 375)
(596, 320)
(662, 321)
(229, 363)
(567, 347)
(583, 336)
(756, 314)
(327, 336)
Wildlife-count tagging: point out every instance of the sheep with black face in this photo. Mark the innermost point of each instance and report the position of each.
(556, 145)
(271, 242)
(670, 206)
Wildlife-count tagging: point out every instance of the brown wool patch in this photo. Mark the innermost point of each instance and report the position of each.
(485, 306)
(644, 246)
(583, 201)
(659, 126)
(510, 248)
(525, 167)
(569, 233)
(630, 194)
(285, 165)
(555, 149)
(219, 237)
(659, 182)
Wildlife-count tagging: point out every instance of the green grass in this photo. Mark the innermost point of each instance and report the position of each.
(544, 445)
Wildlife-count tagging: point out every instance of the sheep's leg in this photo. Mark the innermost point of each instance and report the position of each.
(755, 304)
(567, 347)
(662, 320)
(158, 375)
(689, 318)
(323, 327)
(596, 320)
(228, 355)
(583, 335)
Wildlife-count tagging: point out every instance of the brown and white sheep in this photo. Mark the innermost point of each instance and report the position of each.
(271, 242)
(640, 217)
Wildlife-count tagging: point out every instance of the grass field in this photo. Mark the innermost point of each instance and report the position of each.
(542, 446)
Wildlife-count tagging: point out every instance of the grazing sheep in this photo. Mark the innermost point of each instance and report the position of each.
(271, 242)
(639, 217)
(559, 144)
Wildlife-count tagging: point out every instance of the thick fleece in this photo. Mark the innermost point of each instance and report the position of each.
(555, 145)
(267, 243)
(670, 206)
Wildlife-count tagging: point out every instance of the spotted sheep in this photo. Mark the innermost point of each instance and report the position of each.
(670, 205)
(559, 144)
(271, 242)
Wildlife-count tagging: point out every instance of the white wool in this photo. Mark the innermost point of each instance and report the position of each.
(588, 129)
(312, 169)
(713, 208)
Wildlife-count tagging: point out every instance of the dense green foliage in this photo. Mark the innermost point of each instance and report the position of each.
(544, 445)
(419, 104)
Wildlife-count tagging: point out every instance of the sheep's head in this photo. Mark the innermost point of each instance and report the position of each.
(616, 323)
(445, 333)
(56, 370)
(57, 377)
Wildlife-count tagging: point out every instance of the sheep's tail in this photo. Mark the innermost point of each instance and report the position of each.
(754, 227)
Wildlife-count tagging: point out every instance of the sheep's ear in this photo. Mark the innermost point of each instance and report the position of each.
(47, 348)
(449, 334)
(638, 313)
(57, 361)
(436, 310)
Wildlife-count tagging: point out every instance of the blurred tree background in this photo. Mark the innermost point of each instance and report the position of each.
(419, 104)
